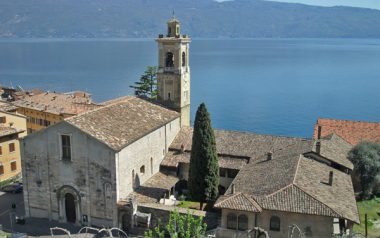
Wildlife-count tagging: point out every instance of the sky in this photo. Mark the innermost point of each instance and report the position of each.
(354, 3)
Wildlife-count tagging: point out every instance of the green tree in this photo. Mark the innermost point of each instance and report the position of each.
(204, 167)
(366, 158)
(147, 86)
(180, 226)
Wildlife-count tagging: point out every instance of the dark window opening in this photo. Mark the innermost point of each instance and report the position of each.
(66, 147)
(13, 166)
(231, 221)
(1, 169)
(12, 147)
(242, 222)
(275, 224)
(183, 59)
(169, 60)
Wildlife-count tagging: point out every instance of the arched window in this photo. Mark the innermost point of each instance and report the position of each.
(242, 222)
(169, 59)
(275, 223)
(231, 221)
(183, 59)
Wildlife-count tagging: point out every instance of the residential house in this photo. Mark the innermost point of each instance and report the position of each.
(12, 127)
(45, 109)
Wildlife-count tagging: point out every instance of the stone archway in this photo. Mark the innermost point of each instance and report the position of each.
(69, 204)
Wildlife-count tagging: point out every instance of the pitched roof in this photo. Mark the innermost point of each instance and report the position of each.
(294, 199)
(238, 201)
(351, 131)
(312, 177)
(335, 149)
(123, 122)
(298, 184)
(245, 144)
(57, 103)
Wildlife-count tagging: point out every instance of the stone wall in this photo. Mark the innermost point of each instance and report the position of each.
(89, 176)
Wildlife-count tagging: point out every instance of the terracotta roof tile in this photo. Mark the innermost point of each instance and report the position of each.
(245, 144)
(238, 201)
(174, 158)
(57, 103)
(351, 131)
(121, 123)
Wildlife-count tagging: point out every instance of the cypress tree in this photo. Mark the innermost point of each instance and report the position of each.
(204, 167)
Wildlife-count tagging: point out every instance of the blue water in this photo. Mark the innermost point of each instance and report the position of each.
(271, 86)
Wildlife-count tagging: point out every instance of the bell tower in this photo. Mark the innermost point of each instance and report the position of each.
(173, 77)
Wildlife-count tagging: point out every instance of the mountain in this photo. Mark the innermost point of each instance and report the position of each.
(200, 18)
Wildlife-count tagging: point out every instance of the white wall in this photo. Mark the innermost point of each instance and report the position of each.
(139, 153)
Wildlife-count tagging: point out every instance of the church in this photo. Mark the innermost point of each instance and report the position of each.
(114, 165)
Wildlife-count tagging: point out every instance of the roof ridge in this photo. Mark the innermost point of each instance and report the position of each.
(260, 134)
(279, 190)
(127, 98)
(296, 172)
(346, 120)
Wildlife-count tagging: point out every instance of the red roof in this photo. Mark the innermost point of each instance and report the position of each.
(351, 131)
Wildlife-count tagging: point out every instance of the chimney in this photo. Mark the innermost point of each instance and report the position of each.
(269, 156)
(318, 147)
(182, 148)
(319, 132)
(331, 178)
(232, 188)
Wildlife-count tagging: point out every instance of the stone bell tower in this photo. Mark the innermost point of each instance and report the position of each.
(173, 77)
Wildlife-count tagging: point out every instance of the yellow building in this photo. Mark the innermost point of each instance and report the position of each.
(45, 109)
(12, 127)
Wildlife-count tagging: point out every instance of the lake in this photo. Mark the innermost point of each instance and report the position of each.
(271, 86)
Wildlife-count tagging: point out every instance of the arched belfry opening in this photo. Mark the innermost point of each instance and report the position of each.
(69, 204)
(169, 60)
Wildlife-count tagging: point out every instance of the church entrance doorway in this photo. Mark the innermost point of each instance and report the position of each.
(70, 208)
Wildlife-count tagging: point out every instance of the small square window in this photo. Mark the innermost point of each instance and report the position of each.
(13, 166)
(12, 147)
(3, 120)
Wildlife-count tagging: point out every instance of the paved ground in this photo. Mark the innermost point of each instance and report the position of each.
(33, 226)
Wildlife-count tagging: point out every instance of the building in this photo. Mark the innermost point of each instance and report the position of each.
(351, 131)
(118, 165)
(294, 180)
(46, 108)
(173, 78)
(12, 127)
